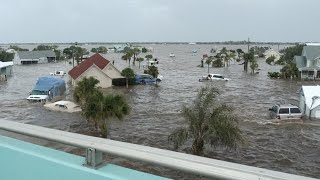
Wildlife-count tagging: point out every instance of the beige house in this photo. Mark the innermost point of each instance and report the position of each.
(98, 67)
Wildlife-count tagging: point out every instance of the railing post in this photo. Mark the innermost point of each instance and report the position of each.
(93, 158)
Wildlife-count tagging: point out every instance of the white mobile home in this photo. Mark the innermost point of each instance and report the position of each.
(310, 101)
(34, 57)
(5, 70)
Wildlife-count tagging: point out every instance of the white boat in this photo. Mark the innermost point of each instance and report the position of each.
(171, 55)
(192, 43)
(58, 73)
(63, 106)
(213, 77)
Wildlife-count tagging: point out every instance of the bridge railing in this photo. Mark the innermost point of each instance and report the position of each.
(180, 161)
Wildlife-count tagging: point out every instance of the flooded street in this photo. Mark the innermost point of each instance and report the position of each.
(290, 147)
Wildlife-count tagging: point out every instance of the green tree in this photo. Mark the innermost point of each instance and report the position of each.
(127, 56)
(209, 61)
(94, 50)
(208, 122)
(98, 108)
(270, 59)
(289, 71)
(139, 60)
(153, 71)
(289, 53)
(253, 65)
(127, 73)
(102, 50)
(149, 56)
(42, 47)
(135, 52)
(144, 50)
(84, 88)
(17, 48)
(5, 57)
(247, 58)
(223, 50)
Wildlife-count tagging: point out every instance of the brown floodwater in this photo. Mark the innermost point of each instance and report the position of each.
(287, 147)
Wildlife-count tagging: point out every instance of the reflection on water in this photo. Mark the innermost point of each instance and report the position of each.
(288, 147)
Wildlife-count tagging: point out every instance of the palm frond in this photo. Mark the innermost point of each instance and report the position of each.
(179, 137)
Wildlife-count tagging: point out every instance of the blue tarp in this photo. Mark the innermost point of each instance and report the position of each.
(56, 86)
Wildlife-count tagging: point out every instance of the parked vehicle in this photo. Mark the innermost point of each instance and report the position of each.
(58, 73)
(48, 88)
(213, 77)
(286, 111)
(63, 106)
(145, 79)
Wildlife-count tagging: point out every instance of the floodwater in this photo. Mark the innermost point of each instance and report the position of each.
(287, 147)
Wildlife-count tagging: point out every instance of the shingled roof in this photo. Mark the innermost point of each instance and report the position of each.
(96, 59)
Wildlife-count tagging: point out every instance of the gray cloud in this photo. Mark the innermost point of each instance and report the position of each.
(159, 20)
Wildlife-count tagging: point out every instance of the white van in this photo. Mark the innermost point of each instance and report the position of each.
(287, 111)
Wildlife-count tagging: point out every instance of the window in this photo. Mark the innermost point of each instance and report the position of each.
(295, 110)
(284, 111)
(216, 76)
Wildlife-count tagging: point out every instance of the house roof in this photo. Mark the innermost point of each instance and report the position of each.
(311, 52)
(300, 61)
(35, 54)
(5, 64)
(96, 59)
(312, 96)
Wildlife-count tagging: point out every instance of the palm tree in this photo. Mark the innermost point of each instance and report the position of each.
(247, 58)
(101, 108)
(208, 122)
(289, 71)
(127, 73)
(127, 56)
(208, 61)
(253, 65)
(139, 60)
(84, 88)
(135, 52)
(153, 71)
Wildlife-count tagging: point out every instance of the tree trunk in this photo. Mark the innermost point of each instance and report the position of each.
(134, 59)
(139, 64)
(198, 147)
(208, 68)
(127, 82)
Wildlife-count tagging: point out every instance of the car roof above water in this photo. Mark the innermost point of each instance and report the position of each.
(287, 106)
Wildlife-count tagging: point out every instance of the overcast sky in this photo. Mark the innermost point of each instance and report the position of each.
(159, 20)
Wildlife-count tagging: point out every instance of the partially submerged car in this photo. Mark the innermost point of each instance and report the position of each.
(213, 77)
(145, 79)
(285, 112)
(63, 106)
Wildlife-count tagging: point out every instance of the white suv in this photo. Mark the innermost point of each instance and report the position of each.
(287, 111)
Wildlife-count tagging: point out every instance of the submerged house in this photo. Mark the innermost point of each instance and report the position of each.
(5, 70)
(48, 88)
(309, 62)
(34, 57)
(271, 52)
(309, 104)
(98, 67)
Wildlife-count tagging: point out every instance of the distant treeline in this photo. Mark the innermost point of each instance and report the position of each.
(222, 42)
